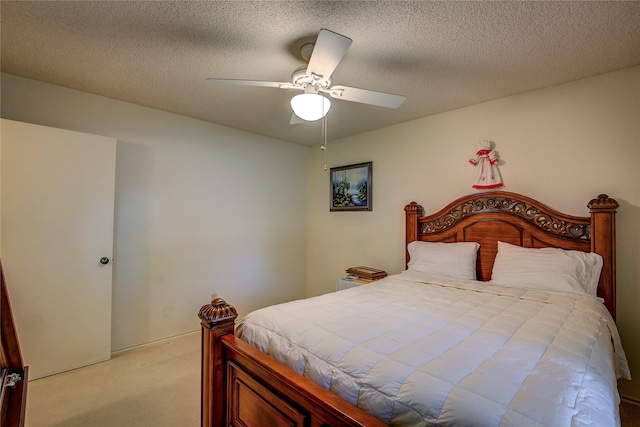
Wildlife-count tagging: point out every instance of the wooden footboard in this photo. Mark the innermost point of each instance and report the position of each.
(242, 386)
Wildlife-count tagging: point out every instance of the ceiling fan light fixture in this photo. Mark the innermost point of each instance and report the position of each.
(310, 106)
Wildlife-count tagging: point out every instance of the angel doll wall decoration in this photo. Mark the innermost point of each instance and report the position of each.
(486, 159)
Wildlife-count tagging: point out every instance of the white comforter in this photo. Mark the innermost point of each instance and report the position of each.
(417, 351)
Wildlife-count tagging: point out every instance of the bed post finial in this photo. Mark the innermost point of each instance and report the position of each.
(603, 202)
(217, 319)
(603, 242)
(217, 314)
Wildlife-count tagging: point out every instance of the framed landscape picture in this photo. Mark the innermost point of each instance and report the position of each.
(351, 187)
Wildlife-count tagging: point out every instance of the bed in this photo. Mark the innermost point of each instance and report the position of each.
(504, 316)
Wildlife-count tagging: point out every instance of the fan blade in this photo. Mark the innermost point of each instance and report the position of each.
(295, 120)
(281, 85)
(365, 96)
(328, 51)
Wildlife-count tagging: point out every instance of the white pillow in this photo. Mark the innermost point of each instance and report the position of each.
(453, 260)
(550, 269)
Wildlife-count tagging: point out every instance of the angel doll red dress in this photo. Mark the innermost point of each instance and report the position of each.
(486, 159)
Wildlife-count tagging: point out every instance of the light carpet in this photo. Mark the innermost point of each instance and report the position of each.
(156, 385)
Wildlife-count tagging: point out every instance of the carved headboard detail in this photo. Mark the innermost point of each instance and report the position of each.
(555, 224)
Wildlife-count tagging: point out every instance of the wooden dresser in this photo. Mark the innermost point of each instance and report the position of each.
(13, 374)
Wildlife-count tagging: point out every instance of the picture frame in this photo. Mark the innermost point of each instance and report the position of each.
(351, 188)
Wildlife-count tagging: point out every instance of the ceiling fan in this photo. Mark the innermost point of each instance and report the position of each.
(315, 81)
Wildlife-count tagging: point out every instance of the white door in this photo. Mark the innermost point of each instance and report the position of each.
(57, 213)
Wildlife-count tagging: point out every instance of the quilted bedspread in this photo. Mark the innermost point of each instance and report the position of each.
(417, 351)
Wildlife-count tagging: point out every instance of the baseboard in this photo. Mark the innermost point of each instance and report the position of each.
(630, 400)
(151, 343)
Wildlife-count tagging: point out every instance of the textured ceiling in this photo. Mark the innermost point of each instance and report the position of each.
(441, 55)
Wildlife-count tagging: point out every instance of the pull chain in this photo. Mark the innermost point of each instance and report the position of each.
(323, 147)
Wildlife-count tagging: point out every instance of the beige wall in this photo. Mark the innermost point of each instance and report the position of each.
(562, 145)
(200, 208)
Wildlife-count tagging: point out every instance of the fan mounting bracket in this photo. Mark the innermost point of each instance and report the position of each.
(306, 50)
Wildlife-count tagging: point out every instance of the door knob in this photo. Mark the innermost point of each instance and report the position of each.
(104, 260)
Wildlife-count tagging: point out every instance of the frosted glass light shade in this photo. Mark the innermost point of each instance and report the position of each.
(310, 106)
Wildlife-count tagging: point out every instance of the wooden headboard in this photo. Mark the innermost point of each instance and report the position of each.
(499, 215)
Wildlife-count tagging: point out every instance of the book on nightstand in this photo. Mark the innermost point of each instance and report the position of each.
(366, 273)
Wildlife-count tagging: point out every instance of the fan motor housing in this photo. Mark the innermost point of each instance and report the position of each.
(301, 78)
